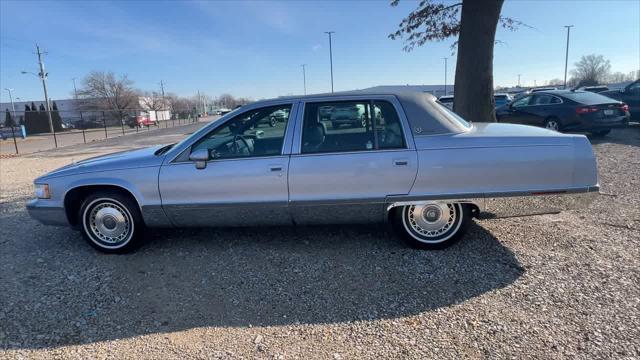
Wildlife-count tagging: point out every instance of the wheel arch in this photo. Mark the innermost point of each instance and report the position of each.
(74, 196)
(475, 205)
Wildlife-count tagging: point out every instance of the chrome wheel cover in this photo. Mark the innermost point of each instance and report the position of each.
(432, 222)
(108, 223)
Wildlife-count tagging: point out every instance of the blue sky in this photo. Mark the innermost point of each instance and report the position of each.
(255, 49)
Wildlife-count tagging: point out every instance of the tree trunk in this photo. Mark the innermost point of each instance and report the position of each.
(474, 69)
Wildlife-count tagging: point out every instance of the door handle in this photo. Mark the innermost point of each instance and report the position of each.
(275, 168)
(401, 162)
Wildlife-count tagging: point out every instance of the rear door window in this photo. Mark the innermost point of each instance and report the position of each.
(345, 126)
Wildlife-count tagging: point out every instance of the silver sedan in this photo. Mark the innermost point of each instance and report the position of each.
(411, 161)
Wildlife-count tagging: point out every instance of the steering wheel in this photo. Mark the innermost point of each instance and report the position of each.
(236, 147)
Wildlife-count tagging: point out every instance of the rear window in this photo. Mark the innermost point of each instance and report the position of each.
(588, 98)
(451, 116)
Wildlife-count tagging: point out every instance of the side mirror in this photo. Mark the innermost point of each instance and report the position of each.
(200, 157)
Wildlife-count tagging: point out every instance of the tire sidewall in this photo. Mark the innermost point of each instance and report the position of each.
(134, 240)
(413, 239)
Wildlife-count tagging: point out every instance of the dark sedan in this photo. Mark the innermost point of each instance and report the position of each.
(630, 95)
(567, 110)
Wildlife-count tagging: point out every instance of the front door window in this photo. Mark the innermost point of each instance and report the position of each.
(254, 133)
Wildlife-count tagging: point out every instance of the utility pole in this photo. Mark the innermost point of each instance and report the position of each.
(445, 75)
(43, 76)
(330, 56)
(304, 78)
(518, 80)
(566, 56)
(162, 89)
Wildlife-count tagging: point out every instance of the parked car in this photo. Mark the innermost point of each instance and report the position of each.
(350, 115)
(595, 89)
(534, 90)
(140, 121)
(421, 167)
(446, 100)
(630, 95)
(89, 123)
(67, 125)
(567, 110)
(222, 111)
(500, 99)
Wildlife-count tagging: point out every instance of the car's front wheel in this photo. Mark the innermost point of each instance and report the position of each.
(432, 225)
(273, 121)
(111, 222)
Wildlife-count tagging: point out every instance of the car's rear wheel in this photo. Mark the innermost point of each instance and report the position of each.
(273, 121)
(111, 222)
(552, 124)
(601, 133)
(432, 225)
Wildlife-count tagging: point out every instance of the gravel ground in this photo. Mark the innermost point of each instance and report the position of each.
(555, 286)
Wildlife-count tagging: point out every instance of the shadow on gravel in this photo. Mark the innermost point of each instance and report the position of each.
(57, 291)
(626, 136)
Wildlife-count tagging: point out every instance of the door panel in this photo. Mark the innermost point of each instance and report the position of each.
(234, 192)
(348, 187)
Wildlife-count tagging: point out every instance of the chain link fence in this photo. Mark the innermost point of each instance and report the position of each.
(31, 130)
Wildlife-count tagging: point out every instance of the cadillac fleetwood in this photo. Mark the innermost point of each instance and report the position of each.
(412, 162)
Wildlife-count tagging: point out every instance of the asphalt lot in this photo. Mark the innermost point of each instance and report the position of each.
(553, 286)
(46, 142)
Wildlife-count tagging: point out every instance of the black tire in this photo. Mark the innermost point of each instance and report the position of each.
(273, 121)
(601, 133)
(452, 231)
(121, 216)
(549, 124)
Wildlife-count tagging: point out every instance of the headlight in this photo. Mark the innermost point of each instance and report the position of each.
(42, 191)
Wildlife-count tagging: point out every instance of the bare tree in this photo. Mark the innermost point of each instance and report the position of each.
(153, 101)
(591, 70)
(617, 77)
(105, 91)
(555, 82)
(227, 100)
(180, 107)
(475, 23)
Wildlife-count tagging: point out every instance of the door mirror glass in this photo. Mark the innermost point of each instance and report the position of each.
(200, 157)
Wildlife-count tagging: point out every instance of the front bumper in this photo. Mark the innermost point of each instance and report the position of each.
(47, 213)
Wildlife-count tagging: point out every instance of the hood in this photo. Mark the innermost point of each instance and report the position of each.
(117, 161)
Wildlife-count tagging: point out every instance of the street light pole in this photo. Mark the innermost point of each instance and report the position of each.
(445, 75)
(566, 56)
(330, 56)
(304, 78)
(15, 121)
(75, 91)
(13, 109)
